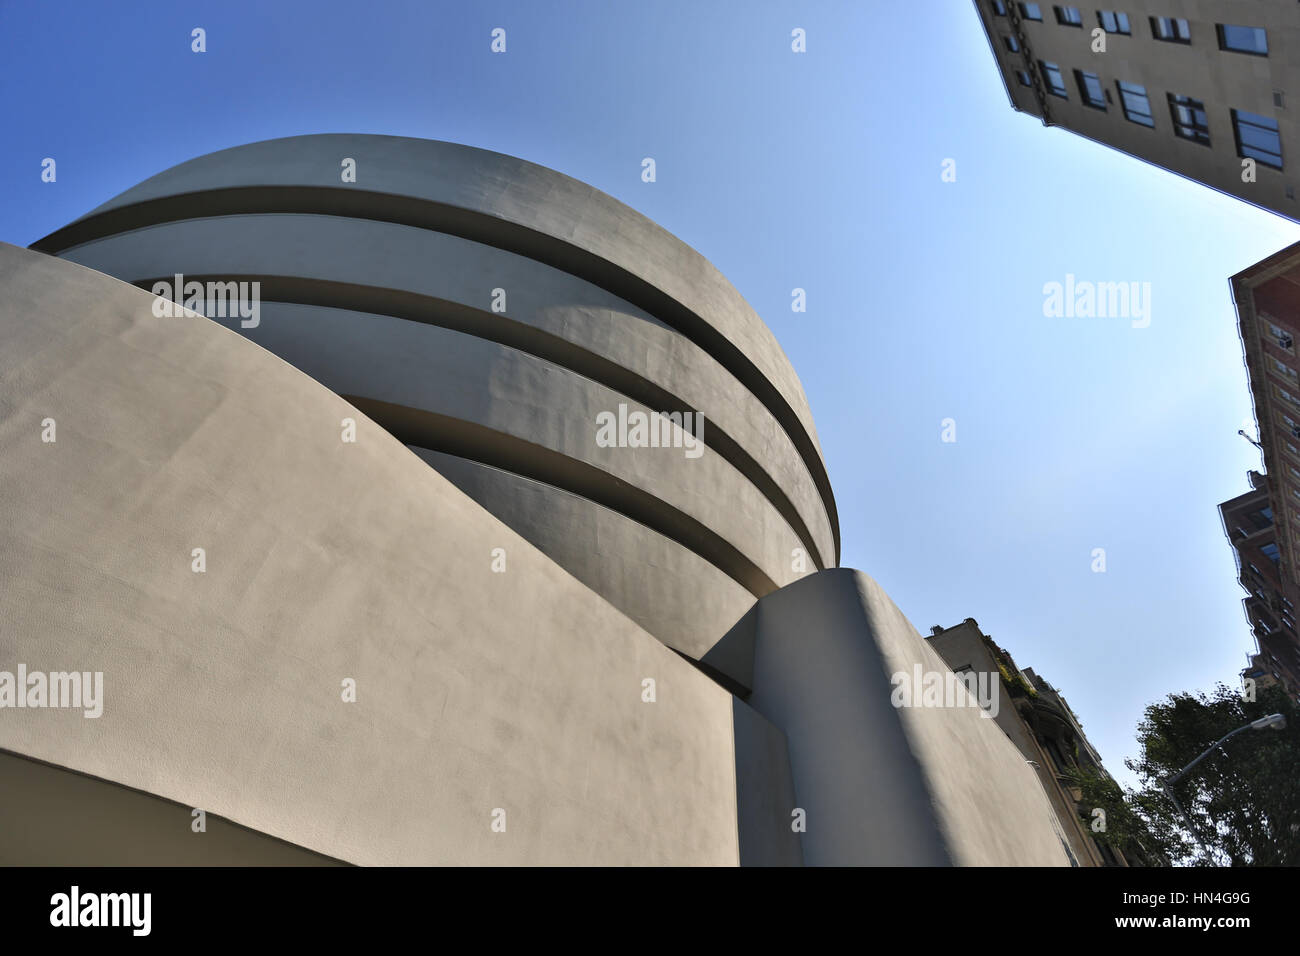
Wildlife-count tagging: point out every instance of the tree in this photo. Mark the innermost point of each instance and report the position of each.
(1243, 799)
(1124, 825)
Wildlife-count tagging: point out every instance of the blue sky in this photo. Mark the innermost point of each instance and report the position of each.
(818, 170)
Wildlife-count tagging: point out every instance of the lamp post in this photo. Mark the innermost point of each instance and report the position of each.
(1276, 721)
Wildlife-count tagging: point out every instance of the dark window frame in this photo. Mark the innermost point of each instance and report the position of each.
(1057, 756)
(1085, 95)
(1173, 21)
(1128, 111)
(1192, 132)
(1061, 12)
(1221, 30)
(1265, 155)
(1024, 12)
(1123, 27)
(1011, 43)
(1062, 92)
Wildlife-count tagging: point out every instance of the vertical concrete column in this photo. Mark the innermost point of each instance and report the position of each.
(819, 676)
(881, 785)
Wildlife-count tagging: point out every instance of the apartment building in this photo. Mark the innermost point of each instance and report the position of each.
(1202, 88)
(1037, 719)
(1263, 525)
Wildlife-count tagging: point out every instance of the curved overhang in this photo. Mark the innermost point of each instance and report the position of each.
(489, 198)
(328, 563)
(331, 262)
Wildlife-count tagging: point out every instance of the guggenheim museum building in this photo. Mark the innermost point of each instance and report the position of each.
(382, 501)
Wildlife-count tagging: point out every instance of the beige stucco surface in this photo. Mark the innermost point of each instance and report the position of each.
(505, 188)
(562, 318)
(325, 561)
(492, 310)
(881, 784)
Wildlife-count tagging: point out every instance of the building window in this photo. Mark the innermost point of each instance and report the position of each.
(1069, 16)
(1243, 39)
(1031, 11)
(1137, 107)
(1262, 518)
(1090, 89)
(1012, 43)
(1257, 138)
(1190, 121)
(1280, 336)
(1024, 78)
(1052, 77)
(999, 8)
(1270, 551)
(1057, 757)
(1286, 396)
(1171, 29)
(1282, 368)
(1258, 521)
(1113, 22)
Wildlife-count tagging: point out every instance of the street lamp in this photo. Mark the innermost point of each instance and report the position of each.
(1276, 721)
(1242, 433)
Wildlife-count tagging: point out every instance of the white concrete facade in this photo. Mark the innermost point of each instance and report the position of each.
(394, 303)
(472, 635)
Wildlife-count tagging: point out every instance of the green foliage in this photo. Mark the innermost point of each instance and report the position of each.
(1243, 799)
(1126, 826)
(1017, 686)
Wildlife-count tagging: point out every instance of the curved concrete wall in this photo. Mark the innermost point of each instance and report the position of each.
(382, 291)
(56, 817)
(551, 315)
(480, 688)
(325, 560)
(686, 598)
(881, 785)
